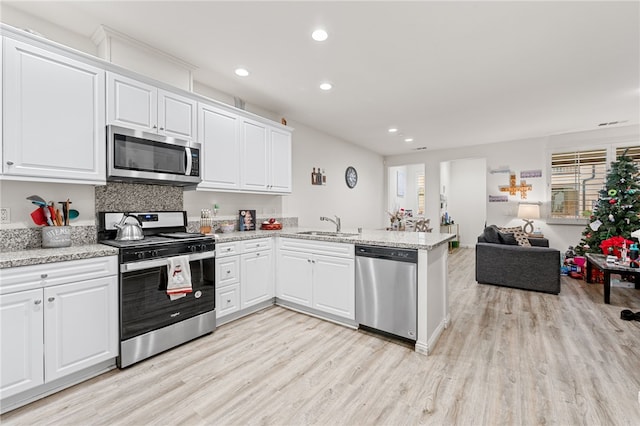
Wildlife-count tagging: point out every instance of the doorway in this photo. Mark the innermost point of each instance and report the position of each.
(406, 189)
(463, 197)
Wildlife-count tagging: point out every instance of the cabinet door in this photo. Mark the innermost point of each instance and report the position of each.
(131, 103)
(227, 270)
(176, 115)
(294, 277)
(256, 278)
(334, 286)
(227, 300)
(53, 115)
(280, 164)
(254, 156)
(81, 325)
(219, 135)
(21, 342)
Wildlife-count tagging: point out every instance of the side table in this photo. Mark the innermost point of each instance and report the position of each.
(599, 261)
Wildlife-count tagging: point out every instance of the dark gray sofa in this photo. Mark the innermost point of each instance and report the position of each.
(529, 268)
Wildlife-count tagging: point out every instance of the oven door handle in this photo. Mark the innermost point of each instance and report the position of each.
(147, 264)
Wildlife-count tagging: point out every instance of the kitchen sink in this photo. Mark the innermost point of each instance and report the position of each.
(327, 234)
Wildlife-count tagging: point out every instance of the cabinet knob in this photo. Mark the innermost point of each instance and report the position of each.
(43, 276)
(51, 299)
(257, 254)
(313, 261)
(9, 163)
(155, 127)
(228, 248)
(161, 128)
(37, 302)
(228, 272)
(308, 260)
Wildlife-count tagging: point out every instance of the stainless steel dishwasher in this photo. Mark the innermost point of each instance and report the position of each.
(386, 290)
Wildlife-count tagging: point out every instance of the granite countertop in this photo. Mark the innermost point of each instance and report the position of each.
(51, 255)
(412, 240)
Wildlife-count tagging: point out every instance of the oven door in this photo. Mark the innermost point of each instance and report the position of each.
(144, 303)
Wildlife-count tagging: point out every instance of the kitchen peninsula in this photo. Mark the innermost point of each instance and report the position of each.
(432, 298)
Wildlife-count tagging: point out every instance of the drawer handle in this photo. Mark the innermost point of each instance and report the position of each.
(43, 276)
(51, 299)
(37, 302)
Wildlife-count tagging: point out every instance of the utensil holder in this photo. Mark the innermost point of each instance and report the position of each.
(56, 236)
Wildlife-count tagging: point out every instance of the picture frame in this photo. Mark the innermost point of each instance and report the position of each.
(247, 220)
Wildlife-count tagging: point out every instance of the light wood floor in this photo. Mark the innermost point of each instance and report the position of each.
(508, 357)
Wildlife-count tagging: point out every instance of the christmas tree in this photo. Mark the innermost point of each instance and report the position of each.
(616, 213)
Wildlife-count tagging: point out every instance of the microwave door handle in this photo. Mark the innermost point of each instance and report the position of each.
(155, 263)
(188, 162)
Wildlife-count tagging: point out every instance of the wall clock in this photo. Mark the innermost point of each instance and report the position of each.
(351, 177)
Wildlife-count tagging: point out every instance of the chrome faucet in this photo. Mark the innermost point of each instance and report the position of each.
(337, 221)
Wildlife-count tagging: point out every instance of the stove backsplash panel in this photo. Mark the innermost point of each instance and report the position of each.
(125, 197)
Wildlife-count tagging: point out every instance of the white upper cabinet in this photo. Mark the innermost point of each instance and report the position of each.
(280, 164)
(254, 155)
(53, 116)
(218, 133)
(134, 104)
(266, 158)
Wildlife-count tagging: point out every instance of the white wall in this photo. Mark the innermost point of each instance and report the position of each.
(362, 206)
(529, 154)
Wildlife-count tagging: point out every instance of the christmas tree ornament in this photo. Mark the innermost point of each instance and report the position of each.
(611, 218)
(612, 201)
(623, 180)
(612, 192)
(595, 225)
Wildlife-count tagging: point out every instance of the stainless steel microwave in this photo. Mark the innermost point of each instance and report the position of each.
(142, 157)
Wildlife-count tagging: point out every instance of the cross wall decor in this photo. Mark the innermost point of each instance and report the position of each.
(512, 188)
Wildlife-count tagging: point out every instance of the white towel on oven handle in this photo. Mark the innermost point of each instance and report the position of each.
(178, 277)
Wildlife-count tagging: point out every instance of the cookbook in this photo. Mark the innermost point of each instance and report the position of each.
(247, 220)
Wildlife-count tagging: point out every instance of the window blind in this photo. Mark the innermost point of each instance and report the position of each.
(421, 199)
(576, 180)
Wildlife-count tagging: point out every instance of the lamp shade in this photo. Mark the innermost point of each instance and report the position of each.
(529, 211)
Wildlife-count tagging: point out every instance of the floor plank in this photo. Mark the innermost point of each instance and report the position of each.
(508, 357)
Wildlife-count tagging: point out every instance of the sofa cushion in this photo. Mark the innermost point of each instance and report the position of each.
(507, 238)
(490, 235)
(518, 234)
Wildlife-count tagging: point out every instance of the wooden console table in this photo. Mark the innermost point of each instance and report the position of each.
(599, 261)
(452, 228)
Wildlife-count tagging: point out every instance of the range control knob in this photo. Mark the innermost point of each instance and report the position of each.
(140, 255)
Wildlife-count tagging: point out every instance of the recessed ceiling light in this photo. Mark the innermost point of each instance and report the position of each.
(326, 86)
(319, 35)
(392, 129)
(241, 72)
(408, 140)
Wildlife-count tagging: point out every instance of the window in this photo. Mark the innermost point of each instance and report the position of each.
(578, 176)
(420, 187)
(576, 180)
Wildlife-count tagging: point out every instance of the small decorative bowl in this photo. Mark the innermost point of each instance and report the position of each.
(227, 227)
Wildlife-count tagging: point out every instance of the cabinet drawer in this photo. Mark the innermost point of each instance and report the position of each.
(227, 270)
(318, 247)
(49, 274)
(250, 246)
(227, 249)
(227, 300)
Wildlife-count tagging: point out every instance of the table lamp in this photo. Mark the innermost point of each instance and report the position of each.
(527, 212)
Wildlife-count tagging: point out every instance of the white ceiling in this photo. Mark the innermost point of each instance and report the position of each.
(445, 73)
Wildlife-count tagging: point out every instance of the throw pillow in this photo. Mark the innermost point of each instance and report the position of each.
(507, 238)
(518, 234)
(491, 234)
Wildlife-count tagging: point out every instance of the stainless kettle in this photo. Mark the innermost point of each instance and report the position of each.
(129, 231)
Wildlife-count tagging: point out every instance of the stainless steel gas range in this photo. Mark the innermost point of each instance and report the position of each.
(151, 319)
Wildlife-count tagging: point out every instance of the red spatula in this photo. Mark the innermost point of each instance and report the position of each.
(38, 217)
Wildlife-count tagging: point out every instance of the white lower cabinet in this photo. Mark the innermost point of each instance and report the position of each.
(334, 285)
(256, 283)
(318, 275)
(56, 319)
(244, 276)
